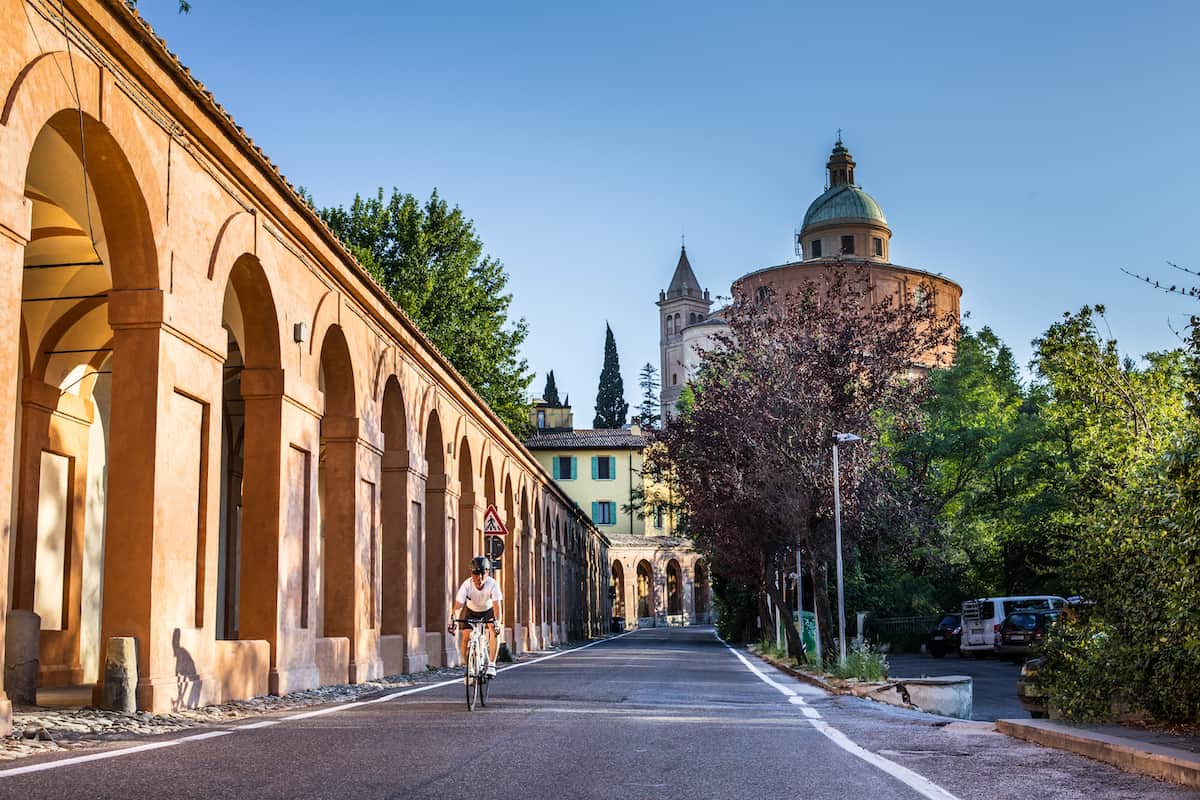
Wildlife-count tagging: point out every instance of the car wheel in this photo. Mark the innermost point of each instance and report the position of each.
(962, 653)
(1038, 715)
(979, 655)
(937, 652)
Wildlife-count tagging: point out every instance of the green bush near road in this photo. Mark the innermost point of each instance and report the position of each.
(864, 662)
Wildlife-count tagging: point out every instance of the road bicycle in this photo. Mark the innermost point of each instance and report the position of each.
(476, 679)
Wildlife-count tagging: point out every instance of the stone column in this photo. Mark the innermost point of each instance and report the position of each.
(515, 629)
(278, 505)
(544, 590)
(471, 509)
(396, 570)
(416, 658)
(14, 234)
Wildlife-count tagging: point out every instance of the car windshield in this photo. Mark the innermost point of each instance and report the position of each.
(949, 621)
(1048, 618)
(1013, 606)
(1021, 621)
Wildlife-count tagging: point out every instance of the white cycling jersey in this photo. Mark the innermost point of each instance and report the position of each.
(480, 599)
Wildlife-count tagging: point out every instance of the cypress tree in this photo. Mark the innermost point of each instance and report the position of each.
(611, 407)
(550, 393)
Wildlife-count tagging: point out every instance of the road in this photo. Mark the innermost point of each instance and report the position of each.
(994, 681)
(662, 713)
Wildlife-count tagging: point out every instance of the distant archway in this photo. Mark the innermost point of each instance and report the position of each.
(436, 588)
(397, 574)
(618, 584)
(674, 588)
(645, 590)
(337, 489)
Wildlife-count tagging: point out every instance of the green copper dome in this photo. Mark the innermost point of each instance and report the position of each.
(844, 201)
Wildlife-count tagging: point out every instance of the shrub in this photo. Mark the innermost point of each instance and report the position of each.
(863, 662)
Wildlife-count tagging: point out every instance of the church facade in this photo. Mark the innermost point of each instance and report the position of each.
(844, 228)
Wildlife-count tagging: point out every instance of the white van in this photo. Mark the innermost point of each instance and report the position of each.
(981, 619)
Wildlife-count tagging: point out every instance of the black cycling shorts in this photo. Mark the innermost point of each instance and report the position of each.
(480, 616)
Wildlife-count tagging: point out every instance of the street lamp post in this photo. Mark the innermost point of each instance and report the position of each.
(840, 438)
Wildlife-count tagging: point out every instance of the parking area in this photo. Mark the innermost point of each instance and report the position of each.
(994, 681)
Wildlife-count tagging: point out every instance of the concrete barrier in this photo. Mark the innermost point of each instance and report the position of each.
(22, 639)
(949, 696)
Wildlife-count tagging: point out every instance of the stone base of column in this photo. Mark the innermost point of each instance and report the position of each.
(286, 681)
(363, 671)
(545, 635)
(516, 639)
(5, 716)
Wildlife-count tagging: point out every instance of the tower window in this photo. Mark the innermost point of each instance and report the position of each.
(541, 419)
(670, 325)
(674, 378)
(848, 245)
(814, 248)
(878, 243)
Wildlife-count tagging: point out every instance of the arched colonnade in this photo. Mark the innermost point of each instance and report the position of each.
(218, 436)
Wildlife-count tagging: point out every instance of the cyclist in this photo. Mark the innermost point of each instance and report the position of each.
(481, 594)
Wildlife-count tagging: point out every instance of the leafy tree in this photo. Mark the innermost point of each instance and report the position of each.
(752, 448)
(611, 408)
(550, 393)
(648, 415)
(429, 259)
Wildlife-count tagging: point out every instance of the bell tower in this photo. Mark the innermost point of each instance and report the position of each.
(683, 304)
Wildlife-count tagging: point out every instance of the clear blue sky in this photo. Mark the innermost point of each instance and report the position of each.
(1028, 150)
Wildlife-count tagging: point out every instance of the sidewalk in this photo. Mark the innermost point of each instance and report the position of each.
(1147, 752)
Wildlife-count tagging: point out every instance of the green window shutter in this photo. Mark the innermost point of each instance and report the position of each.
(595, 512)
(612, 467)
(574, 468)
(612, 513)
(595, 467)
(554, 468)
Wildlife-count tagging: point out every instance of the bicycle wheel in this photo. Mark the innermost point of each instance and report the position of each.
(471, 679)
(484, 682)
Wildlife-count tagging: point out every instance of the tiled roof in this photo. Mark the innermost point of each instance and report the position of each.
(600, 439)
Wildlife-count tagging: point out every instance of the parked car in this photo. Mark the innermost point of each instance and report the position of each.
(945, 636)
(1028, 693)
(981, 619)
(1022, 632)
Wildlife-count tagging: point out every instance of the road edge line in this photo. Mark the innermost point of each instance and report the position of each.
(913, 780)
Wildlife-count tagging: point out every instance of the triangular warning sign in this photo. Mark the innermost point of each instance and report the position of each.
(492, 526)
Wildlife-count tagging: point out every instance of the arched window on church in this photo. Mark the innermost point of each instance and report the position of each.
(670, 326)
(678, 326)
(692, 319)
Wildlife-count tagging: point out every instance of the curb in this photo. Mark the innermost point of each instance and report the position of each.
(807, 677)
(1130, 755)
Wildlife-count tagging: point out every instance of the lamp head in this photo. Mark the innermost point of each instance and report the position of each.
(846, 438)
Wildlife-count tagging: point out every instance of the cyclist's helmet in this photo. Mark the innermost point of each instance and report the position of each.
(480, 565)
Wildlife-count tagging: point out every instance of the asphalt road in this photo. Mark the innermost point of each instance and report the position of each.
(666, 713)
(993, 680)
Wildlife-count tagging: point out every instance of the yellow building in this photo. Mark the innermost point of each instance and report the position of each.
(657, 579)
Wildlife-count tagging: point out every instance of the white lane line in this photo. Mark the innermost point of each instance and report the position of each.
(916, 782)
(141, 748)
(125, 751)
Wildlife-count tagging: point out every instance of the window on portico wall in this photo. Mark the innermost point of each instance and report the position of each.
(848, 245)
(814, 248)
(878, 244)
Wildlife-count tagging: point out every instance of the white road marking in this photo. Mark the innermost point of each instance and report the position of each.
(141, 748)
(916, 782)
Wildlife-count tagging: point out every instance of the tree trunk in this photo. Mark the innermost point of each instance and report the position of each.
(821, 608)
(795, 644)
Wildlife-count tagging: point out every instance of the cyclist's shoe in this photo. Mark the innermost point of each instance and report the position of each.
(491, 670)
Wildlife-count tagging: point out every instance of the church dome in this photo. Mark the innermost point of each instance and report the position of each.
(844, 202)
